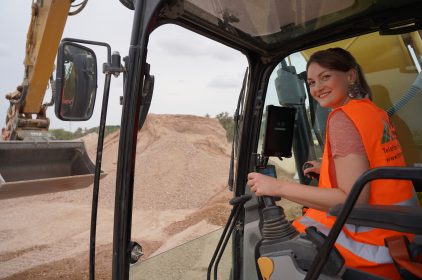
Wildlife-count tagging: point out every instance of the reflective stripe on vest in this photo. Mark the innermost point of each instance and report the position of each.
(371, 253)
(413, 201)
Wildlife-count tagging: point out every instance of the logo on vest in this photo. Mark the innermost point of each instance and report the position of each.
(388, 134)
(391, 148)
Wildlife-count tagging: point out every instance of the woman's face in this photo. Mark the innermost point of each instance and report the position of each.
(329, 87)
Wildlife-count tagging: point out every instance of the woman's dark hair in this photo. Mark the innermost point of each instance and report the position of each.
(341, 60)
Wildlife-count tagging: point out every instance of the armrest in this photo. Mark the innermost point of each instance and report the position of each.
(394, 217)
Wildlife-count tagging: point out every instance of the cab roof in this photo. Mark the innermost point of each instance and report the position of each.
(273, 27)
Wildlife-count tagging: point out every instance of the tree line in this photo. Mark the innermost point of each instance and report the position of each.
(61, 134)
(227, 122)
(225, 119)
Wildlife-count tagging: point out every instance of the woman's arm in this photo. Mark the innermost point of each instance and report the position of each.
(348, 169)
(349, 160)
(318, 198)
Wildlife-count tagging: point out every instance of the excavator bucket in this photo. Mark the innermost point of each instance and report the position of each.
(30, 167)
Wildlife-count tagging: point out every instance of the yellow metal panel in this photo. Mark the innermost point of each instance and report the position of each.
(385, 60)
(44, 36)
(384, 52)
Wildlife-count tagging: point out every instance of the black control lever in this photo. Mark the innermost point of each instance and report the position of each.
(275, 226)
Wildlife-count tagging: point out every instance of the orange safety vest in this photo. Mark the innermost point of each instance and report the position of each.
(363, 247)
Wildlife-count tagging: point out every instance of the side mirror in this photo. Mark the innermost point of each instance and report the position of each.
(76, 82)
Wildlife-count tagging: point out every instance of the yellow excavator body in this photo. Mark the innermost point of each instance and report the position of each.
(44, 35)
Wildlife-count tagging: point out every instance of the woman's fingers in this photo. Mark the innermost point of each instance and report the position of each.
(261, 184)
(311, 169)
(252, 175)
(253, 178)
(311, 166)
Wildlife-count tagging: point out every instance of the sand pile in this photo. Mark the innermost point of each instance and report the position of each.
(181, 162)
(180, 182)
(91, 141)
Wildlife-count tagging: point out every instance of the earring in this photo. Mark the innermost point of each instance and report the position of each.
(353, 90)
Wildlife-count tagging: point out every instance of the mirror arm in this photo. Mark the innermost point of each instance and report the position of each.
(114, 66)
(88, 42)
(97, 176)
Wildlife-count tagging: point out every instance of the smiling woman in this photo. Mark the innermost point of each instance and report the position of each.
(358, 138)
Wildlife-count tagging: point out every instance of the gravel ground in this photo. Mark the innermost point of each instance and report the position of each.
(180, 194)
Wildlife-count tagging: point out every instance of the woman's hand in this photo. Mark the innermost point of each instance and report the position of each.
(315, 168)
(264, 185)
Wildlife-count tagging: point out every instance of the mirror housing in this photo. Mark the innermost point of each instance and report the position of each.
(76, 82)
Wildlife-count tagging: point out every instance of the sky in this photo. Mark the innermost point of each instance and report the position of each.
(193, 74)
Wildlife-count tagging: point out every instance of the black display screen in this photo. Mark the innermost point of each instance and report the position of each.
(278, 137)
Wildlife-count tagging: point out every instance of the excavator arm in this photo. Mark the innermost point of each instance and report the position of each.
(31, 160)
(26, 116)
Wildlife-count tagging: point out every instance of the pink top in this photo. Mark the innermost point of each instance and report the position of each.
(344, 139)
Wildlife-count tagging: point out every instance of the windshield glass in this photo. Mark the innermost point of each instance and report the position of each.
(181, 190)
(273, 21)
